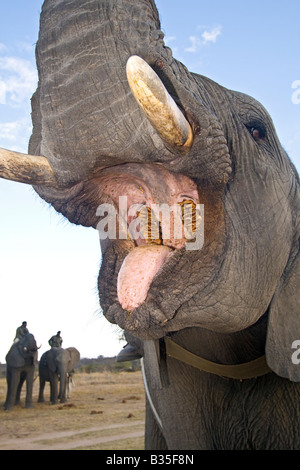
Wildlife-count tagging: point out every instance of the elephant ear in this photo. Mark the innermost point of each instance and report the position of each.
(74, 356)
(283, 337)
(14, 358)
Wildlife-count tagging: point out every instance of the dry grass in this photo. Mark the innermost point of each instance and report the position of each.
(103, 409)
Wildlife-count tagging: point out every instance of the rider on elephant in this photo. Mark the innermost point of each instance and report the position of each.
(21, 331)
(56, 340)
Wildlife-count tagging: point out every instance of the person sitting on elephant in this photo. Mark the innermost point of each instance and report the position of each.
(56, 340)
(21, 331)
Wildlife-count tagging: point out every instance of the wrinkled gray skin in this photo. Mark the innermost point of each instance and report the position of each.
(233, 300)
(20, 365)
(55, 367)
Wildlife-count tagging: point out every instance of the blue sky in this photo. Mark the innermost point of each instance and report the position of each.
(49, 268)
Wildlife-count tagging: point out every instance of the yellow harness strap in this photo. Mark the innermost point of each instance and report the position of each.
(247, 370)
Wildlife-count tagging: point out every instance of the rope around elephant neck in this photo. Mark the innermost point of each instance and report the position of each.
(247, 370)
(156, 415)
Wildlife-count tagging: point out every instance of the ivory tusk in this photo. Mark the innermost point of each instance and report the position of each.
(158, 105)
(26, 168)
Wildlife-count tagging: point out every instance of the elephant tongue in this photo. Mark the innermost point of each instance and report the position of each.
(137, 272)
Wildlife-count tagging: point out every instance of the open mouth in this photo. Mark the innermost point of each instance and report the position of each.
(158, 212)
(157, 236)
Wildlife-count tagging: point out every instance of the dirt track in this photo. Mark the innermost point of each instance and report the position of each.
(106, 411)
(41, 442)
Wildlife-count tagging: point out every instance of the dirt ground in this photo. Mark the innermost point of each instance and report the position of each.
(106, 411)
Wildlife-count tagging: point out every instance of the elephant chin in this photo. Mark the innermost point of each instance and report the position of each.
(146, 322)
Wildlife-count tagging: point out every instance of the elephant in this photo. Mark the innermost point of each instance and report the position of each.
(20, 365)
(122, 131)
(56, 365)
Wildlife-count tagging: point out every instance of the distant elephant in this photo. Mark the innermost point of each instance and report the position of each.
(20, 365)
(56, 366)
(118, 122)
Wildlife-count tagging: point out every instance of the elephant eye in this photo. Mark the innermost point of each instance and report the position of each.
(257, 131)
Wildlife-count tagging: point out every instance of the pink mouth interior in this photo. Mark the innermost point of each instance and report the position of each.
(137, 272)
(146, 185)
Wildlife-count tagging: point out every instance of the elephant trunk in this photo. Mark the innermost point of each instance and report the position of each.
(83, 99)
(62, 371)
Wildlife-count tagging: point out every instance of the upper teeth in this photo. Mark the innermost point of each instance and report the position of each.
(153, 230)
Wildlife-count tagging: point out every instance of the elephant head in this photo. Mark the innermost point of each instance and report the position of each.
(116, 115)
(62, 360)
(23, 352)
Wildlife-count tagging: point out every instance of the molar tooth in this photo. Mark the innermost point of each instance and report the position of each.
(191, 217)
(149, 225)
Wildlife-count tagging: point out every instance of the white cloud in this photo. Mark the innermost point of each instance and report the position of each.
(18, 79)
(208, 36)
(9, 130)
(2, 92)
(14, 135)
(195, 44)
(211, 36)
